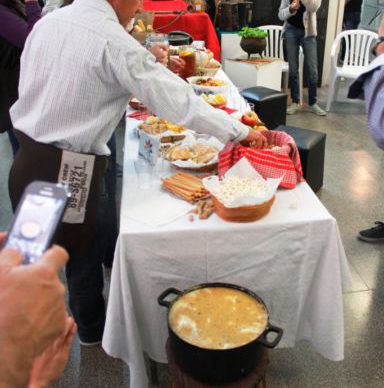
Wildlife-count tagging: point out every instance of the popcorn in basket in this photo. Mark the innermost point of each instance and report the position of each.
(281, 159)
(242, 195)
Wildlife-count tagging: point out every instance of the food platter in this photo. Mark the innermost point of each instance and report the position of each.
(163, 129)
(208, 85)
(218, 101)
(195, 154)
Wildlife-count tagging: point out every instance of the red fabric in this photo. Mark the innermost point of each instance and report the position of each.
(229, 110)
(139, 115)
(269, 163)
(168, 5)
(198, 25)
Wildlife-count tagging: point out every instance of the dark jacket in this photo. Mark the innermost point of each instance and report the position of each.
(14, 29)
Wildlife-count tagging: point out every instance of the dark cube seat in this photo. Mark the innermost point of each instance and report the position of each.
(311, 145)
(270, 105)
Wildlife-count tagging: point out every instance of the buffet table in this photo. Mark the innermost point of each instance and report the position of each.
(293, 258)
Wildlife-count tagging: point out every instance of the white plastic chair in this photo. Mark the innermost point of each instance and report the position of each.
(358, 44)
(274, 49)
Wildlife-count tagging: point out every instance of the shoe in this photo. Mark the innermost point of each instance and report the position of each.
(89, 344)
(293, 108)
(375, 234)
(317, 110)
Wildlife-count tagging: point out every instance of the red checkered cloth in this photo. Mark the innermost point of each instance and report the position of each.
(283, 162)
(139, 115)
(229, 110)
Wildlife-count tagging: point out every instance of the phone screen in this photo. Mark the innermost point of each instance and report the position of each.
(34, 225)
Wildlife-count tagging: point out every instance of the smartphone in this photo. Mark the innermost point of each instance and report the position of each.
(36, 219)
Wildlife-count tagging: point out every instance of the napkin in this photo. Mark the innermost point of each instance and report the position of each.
(155, 208)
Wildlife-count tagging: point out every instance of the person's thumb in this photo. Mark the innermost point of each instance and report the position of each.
(55, 257)
(10, 257)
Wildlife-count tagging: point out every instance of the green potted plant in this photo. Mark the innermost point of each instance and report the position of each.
(253, 40)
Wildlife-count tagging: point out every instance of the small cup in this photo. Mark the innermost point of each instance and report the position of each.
(144, 172)
(162, 168)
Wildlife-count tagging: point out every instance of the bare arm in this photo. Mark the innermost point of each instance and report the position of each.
(311, 5)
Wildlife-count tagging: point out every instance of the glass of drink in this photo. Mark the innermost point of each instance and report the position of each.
(160, 40)
(188, 55)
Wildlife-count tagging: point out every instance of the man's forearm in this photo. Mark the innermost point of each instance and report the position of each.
(311, 5)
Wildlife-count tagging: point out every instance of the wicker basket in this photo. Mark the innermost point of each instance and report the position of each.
(243, 213)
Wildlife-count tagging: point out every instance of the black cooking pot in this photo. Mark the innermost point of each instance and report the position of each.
(217, 365)
(179, 38)
(253, 45)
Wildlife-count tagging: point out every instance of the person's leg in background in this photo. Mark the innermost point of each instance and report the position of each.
(309, 45)
(352, 20)
(13, 141)
(291, 38)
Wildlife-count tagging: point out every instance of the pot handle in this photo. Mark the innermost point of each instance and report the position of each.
(161, 299)
(183, 33)
(271, 329)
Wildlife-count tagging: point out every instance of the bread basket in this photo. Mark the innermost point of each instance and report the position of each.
(243, 213)
(209, 70)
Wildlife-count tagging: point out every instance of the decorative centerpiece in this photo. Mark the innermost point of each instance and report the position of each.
(253, 40)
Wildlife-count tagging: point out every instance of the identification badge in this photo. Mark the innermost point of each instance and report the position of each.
(76, 171)
(149, 148)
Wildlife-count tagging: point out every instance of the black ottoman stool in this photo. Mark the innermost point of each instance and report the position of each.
(270, 105)
(311, 145)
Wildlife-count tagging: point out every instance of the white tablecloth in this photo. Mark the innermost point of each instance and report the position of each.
(293, 258)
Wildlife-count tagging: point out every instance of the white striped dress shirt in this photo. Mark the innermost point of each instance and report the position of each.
(78, 69)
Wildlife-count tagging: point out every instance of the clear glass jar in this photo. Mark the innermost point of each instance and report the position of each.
(156, 38)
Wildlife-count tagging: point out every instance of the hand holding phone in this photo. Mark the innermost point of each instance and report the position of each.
(295, 5)
(33, 312)
(36, 219)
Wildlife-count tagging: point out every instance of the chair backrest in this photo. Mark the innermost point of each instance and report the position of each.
(274, 47)
(358, 45)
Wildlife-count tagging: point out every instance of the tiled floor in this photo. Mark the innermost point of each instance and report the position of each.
(353, 193)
